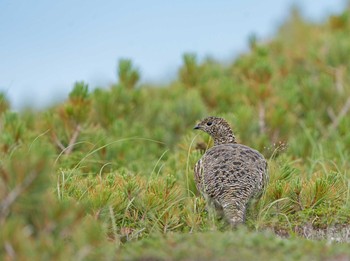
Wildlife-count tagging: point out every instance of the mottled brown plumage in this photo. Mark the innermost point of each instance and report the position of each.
(229, 175)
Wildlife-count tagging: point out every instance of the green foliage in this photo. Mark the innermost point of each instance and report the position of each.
(77, 108)
(237, 245)
(12, 131)
(190, 72)
(109, 174)
(128, 76)
(4, 103)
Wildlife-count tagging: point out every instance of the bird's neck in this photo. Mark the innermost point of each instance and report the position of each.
(227, 139)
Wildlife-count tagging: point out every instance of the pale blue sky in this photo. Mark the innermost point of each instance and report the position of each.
(46, 45)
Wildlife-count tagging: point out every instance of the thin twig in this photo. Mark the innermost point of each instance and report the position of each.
(9, 250)
(331, 114)
(341, 114)
(67, 150)
(73, 140)
(57, 141)
(262, 124)
(339, 75)
(14, 194)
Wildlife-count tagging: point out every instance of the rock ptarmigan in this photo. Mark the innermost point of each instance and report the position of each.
(229, 175)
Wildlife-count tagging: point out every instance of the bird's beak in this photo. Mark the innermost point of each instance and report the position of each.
(197, 127)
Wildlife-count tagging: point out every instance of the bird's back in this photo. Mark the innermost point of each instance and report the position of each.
(231, 170)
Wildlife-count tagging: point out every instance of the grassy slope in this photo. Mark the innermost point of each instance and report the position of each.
(108, 174)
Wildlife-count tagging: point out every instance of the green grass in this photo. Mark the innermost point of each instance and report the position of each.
(238, 245)
(108, 174)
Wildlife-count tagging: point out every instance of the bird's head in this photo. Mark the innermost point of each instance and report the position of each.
(218, 129)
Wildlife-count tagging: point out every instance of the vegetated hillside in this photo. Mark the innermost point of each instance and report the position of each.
(108, 173)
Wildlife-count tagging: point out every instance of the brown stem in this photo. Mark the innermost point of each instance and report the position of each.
(73, 139)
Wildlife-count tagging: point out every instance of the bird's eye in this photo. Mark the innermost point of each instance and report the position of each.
(209, 123)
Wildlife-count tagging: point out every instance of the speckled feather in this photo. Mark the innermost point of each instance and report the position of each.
(229, 175)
